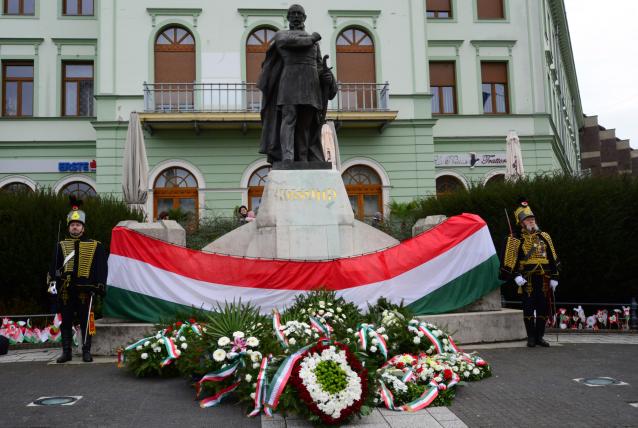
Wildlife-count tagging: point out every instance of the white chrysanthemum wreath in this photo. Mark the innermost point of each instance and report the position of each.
(329, 396)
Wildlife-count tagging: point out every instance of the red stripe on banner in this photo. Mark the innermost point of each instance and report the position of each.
(273, 274)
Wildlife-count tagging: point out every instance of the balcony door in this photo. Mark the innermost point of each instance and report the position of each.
(356, 70)
(174, 70)
(257, 44)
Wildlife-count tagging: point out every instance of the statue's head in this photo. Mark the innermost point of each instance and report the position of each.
(296, 17)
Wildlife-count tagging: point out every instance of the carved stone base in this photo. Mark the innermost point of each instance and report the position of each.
(304, 215)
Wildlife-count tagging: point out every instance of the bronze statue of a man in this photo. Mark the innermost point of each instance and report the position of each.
(296, 85)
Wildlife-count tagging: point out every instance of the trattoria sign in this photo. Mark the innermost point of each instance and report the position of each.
(470, 159)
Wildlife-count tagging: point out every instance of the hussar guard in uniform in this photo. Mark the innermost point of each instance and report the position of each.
(78, 273)
(530, 261)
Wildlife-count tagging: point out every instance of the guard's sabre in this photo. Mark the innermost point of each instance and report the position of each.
(508, 222)
(88, 319)
(554, 304)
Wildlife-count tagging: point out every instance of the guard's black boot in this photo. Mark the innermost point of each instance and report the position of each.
(86, 350)
(540, 332)
(531, 331)
(66, 349)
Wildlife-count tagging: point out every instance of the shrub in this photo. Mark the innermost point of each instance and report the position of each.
(28, 236)
(591, 221)
(209, 229)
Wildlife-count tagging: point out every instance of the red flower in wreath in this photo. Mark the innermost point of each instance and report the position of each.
(447, 374)
(306, 396)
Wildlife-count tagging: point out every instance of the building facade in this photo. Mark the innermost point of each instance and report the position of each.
(604, 154)
(428, 91)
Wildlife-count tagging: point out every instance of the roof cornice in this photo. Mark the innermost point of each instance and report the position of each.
(560, 19)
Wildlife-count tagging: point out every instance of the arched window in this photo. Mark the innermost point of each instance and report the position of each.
(174, 69)
(175, 188)
(446, 184)
(496, 178)
(256, 46)
(356, 70)
(79, 189)
(256, 185)
(16, 187)
(364, 189)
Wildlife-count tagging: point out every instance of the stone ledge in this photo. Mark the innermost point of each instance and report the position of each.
(468, 327)
(110, 336)
(481, 327)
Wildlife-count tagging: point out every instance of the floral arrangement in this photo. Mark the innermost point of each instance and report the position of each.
(331, 381)
(322, 358)
(23, 332)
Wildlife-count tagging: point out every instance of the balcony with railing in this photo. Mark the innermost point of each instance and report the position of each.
(171, 105)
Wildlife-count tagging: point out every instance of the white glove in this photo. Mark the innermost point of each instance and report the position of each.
(52, 288)
(520, 281)
(553, 283)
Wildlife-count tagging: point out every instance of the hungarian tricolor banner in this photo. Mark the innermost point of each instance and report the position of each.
(437, 271)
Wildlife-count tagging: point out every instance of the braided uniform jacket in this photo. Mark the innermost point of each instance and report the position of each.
(85, 270)
(529, 254)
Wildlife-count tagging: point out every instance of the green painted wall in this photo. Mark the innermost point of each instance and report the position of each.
(119, 39)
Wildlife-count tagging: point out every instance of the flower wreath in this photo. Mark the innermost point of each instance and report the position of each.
(331, 382)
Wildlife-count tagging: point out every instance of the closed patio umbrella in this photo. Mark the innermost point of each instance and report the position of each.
(514, 166)
(135, 166)
(330, 144)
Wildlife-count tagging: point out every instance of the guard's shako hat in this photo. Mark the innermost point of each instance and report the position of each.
(76, 214)
(523, 211)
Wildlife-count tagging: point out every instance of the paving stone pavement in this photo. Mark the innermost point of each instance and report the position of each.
(535, 387)
(530, 388)
(434, 417)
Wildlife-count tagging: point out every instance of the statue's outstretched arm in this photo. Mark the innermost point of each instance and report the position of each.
(290, 40)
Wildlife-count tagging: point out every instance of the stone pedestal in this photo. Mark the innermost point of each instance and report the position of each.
(164, 230)
(424, 224)
(304, 215)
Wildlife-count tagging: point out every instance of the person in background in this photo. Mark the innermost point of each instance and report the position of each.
(241, 214)
(529, 260)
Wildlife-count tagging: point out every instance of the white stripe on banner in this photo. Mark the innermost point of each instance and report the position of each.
(139, 277)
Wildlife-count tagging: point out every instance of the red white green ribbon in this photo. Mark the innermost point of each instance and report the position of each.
(438, 347)
(279, 330)
(261, 388)
(217, 398)
(386, 396)
(197, 329)
(408, 376)
(186, 325)
(428, 396)
(363, 332)
(171, 350)
(453, 345)
(217, 376)
(280, 379)
(319, 327)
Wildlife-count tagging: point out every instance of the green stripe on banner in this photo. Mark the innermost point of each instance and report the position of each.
(461, 291)
(126, 304)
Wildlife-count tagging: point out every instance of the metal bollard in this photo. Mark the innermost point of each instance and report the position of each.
(633, 322)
